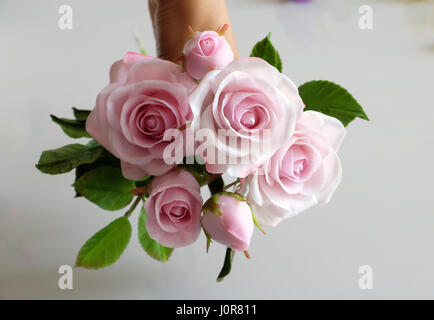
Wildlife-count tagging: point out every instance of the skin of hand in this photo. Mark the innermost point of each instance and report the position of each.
(171, 18)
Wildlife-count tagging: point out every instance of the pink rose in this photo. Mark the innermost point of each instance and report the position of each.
(145, 97)
(174, 206)
(249, 102)
(303, 173)
(206, 51)
(228, 220)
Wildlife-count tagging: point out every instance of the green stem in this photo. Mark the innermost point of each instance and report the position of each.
(231, 184)
(133, 206)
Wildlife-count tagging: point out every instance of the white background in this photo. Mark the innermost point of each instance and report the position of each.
(381, 215)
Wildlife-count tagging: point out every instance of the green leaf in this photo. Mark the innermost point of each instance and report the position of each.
(105, 159)
(197, 170)
(73, 128)
(332, 100)
(229, 257)
(264, 49)
(152, 247)
(66, 158)
(106, 246)
(106, 187)
(80, 114)
(216, 186)
(143, 182)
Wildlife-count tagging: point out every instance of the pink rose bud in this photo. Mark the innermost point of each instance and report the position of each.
(227, 219)
(206, 51)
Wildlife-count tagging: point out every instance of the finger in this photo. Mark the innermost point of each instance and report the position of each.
(152, 8)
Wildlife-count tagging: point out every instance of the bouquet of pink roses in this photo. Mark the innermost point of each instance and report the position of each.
(162, 130)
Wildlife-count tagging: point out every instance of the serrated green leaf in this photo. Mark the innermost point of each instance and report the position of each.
(106, 187)
(80, 114)
(106, 246)
(73, 128)
(227, 265)
(68, 157)
(264, 49)
(152, 247)
(331, 99)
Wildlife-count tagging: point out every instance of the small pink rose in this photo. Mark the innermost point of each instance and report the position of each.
(206, 51)
(174, 207)
(303, 173)
(228, 220)
(146, 96)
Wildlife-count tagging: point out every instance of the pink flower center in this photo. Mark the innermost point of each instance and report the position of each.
(249, 119)
(150, 124)
(152, 120)
(298, 166)
(176, 211)
(207, 46)
(245, 111)
(295, 164)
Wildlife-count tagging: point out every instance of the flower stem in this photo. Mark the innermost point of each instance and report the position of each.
(134, 205)
(231, 185)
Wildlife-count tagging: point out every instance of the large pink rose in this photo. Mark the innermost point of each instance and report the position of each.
(249, 102)
(174, 206)
(145, 97)
(303, 173)
(206, 51)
